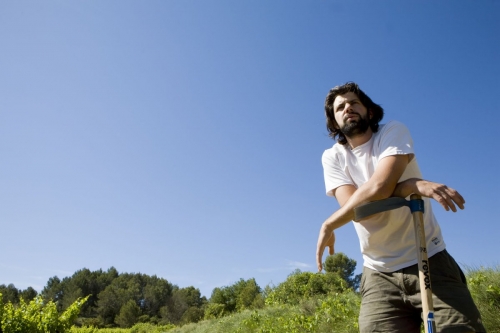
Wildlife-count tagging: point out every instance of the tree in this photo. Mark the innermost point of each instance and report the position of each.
(341, 264)
(183, 300)
(191, 295)
(85, 282)
(28, 294)
(71, 292)
(107, 293)
(129, 313)
(81, 284)
(10, 293)
(151, 294)
(192, 315)
(224, 296)
(53, 291)
(122, 289)
(13, 295)
(247, 293)
(244, 294)
(157, 293)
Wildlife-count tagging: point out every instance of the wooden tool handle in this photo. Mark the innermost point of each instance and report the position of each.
(423, 269)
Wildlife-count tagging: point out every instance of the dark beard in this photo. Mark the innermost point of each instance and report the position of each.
(355, 128)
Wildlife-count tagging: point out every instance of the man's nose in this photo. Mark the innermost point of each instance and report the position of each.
(348, 108)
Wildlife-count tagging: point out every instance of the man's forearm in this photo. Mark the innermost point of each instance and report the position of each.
(366, 193)
(406, 187)
(338, 219)
(381, 185)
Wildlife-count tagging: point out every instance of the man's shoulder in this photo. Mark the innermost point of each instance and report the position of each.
(391, 126)
(333, 153)
(337, 148)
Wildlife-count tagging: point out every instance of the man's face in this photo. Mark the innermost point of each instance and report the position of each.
(351, 116)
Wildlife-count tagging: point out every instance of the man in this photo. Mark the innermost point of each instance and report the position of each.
(371, 162)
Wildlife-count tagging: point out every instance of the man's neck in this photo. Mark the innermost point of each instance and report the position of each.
(360, 139)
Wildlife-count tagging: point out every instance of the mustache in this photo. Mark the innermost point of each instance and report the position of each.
(350, 114)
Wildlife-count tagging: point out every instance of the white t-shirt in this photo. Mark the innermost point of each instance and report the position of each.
(387, 240)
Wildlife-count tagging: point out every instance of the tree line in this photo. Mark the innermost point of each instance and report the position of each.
(124, 299)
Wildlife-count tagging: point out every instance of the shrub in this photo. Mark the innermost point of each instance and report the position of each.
(484, 285)
(37, 316)
(303, 285)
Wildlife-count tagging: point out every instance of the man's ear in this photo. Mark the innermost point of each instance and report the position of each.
(370, 113)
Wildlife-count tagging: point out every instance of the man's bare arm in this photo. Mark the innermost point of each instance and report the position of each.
(380, 186)
(342, 194)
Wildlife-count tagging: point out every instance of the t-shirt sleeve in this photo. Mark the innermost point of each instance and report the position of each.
(395, 140)
(333, 172)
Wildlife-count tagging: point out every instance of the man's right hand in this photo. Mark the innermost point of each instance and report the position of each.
(326, 239)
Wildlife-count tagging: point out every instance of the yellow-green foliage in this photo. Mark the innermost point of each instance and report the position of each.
(334, 313)
(137, 328)
(484, 285)
(37, 316)
(303, 285)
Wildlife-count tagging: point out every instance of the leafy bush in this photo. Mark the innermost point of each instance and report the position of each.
(335, 313)
(303, 285)
(484, 285)
(214, 310)
(37, 316)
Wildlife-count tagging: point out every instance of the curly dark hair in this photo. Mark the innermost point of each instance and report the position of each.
(376, 110)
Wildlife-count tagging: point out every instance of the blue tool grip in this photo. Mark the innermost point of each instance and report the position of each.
(416, 205)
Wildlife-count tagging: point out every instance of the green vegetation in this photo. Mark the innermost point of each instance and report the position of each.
(37, 316)
(484, 285)
(137, 328)
(137, 303)
(335, 313)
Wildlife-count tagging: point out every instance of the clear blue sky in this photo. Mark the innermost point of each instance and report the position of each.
(184, 138)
